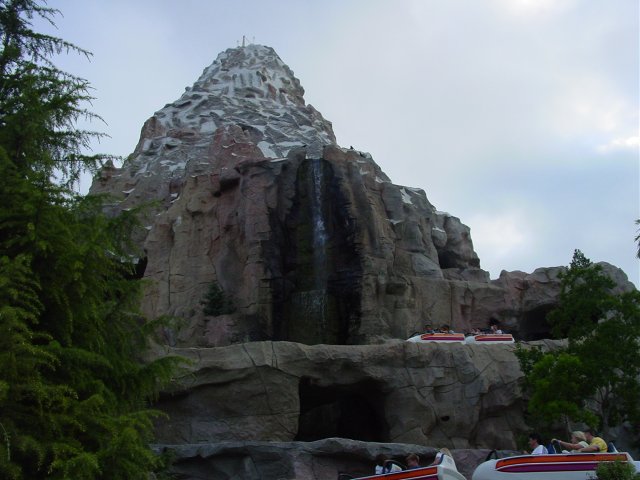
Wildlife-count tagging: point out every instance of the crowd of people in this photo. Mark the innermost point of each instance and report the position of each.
(494, 327)
(581, 442)
(412, 461)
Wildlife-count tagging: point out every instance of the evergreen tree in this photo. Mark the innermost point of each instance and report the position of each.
(73, 389)
(216, 302)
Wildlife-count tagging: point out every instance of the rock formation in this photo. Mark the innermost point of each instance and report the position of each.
(396, 392)
(241, 407)
(300, 460)
(327, 262)
(313, 241)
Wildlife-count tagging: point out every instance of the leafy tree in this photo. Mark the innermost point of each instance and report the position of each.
(557, 386)
(595, 378)
(638, 239)
(584, 299)
(73, 388)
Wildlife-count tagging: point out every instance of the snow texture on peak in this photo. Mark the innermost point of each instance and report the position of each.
(249, 87)
(254, 71)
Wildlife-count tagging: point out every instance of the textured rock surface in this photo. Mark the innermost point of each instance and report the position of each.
(313, 241)
(455, 396)
(319, 460)
(326, 260)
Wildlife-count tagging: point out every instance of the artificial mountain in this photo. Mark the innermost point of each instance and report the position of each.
(329, 266)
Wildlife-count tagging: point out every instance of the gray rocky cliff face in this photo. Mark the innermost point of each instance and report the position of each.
(313, 241)
(323, 409)
(318, 460)
(397, 392)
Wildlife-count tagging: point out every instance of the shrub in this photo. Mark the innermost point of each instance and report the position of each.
(616, 471)
(216, 302)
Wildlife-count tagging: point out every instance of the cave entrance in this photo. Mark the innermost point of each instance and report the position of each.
(447, 260)
(354, 411)
(534, 324)
(137, 272)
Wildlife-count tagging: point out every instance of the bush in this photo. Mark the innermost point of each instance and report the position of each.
(616, 471)
(216, 302)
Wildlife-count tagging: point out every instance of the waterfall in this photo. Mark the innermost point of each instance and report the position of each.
(311, 302)
(319, 229)
(310, 314)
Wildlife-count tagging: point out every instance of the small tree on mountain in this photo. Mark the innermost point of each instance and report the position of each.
(217, 302)
(596, 378)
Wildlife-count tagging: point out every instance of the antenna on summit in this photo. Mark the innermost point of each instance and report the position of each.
(245, 41)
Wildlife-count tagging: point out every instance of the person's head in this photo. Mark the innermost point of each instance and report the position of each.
(380, 459)
(412, 460)
(578, 436)
(446, 451)
(589, 433)
(493, 324)
(534, 440)
(444, 328)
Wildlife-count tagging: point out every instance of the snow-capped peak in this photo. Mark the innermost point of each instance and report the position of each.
(254, 71)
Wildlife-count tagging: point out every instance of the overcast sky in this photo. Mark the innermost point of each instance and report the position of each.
(520, 117)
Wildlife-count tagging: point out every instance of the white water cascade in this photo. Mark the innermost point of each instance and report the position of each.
(314, 300)
(319, 242)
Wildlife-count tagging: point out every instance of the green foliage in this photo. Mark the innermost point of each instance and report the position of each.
(216, 302)
(528, 357)
(559, 382)
(616, 471)
(610, 355)
(638, 239)
(595, 379)
(40, 103)
(74, 391)
(584, 299)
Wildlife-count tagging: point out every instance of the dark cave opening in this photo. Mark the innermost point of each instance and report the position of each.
(138, 271)
(447, 260)
(354, 411)
(534, 324)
